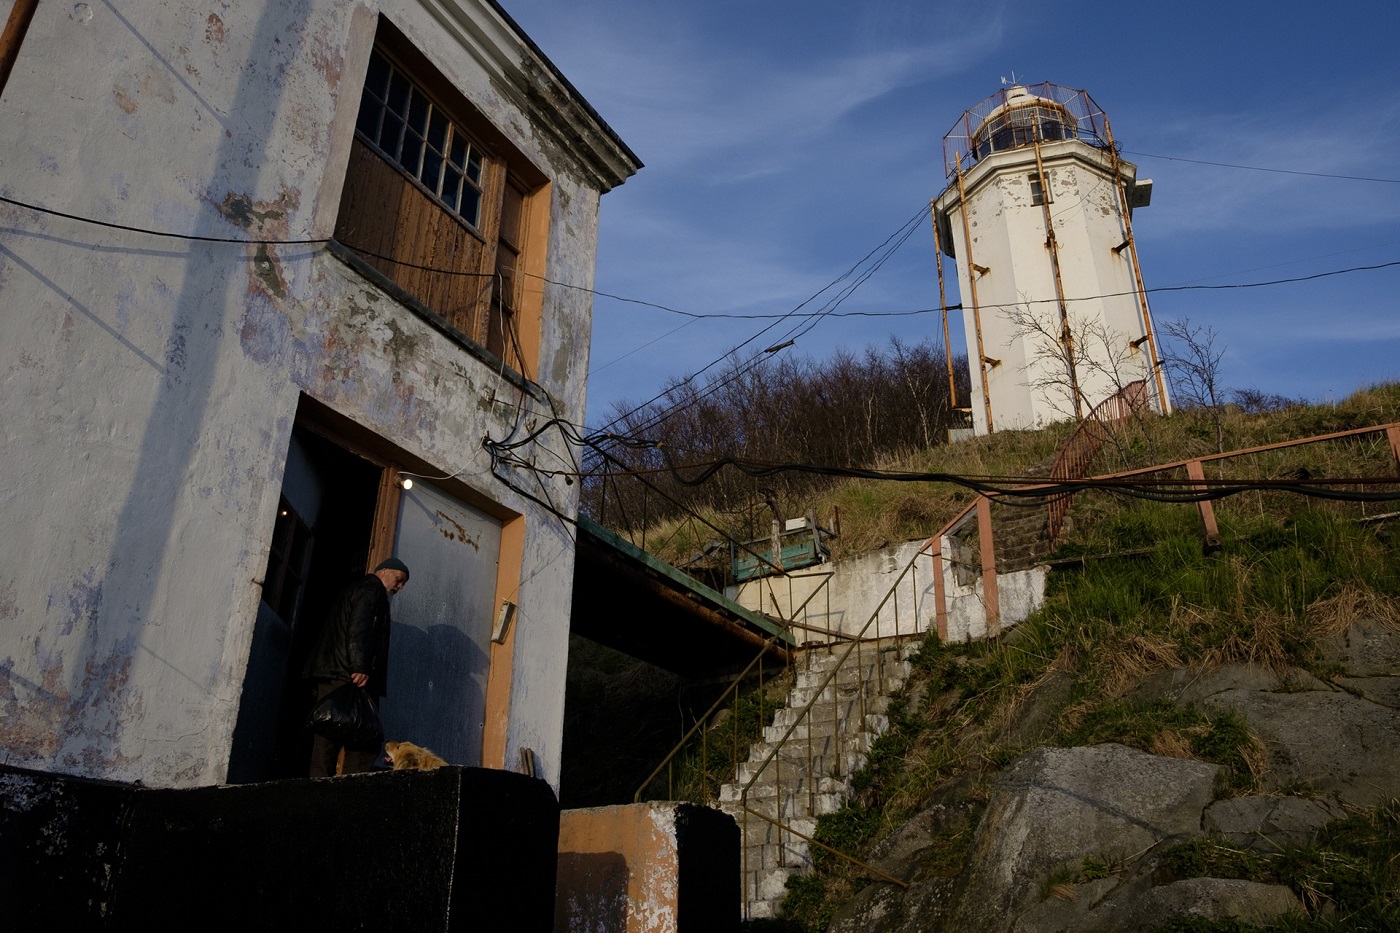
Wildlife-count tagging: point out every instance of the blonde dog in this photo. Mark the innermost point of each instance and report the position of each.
(405, 756)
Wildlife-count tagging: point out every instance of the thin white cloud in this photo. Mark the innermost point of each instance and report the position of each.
(683, 102)
(1355, 140)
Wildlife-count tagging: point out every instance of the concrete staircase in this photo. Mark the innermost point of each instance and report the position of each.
(811, 773)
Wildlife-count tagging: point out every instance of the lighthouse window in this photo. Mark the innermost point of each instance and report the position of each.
(1022, 126)
(1037, 190)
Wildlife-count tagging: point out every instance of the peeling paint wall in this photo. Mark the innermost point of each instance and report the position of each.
(151, 382)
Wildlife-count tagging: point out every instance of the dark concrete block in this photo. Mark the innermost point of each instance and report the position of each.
(451, 849)
(59, 845)
(710, 873)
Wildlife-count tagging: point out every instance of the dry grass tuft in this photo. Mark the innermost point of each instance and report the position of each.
(1256, 758)
(1336, 614)
(911, 511)
(1171, 744)
(1260, 641)
(1124, 662)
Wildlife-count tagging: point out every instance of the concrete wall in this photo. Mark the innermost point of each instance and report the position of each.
(1018, 595)
(843, 596)
(152, 382)
(1008, 236)
(451, 849)
(656, 867)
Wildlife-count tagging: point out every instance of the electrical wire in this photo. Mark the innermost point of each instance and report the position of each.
(805, 320)
(1011, 488)
(164, 233)
(957, 306)
(902, 233)
(1260, 168)
(776, 316)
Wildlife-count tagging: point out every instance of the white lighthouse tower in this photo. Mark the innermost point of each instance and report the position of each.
(1038, 214)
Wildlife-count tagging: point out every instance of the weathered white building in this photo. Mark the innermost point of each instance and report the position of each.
(1038, 213)
(257, 261)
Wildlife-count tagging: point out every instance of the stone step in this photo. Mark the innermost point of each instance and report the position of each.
(827, 718)
(802, 747)
(766, 892)
(849, 675)
(765, 770)
(831, 717)
(792, 784)
(760, 832)
(794, 806)
(862, 660)
(791, 857)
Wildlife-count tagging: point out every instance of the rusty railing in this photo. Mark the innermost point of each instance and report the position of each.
(1088, 439)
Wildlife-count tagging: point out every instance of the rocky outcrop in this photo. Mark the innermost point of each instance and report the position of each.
(1056, 806)
(1329, 746)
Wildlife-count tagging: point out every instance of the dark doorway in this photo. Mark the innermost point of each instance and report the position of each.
(321, 542)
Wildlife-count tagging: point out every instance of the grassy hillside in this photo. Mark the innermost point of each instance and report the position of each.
(1140, 595)
(874, 512)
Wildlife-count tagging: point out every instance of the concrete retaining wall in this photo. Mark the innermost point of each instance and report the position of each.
(842, 596)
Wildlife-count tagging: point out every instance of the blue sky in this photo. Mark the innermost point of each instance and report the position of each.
(784, 141)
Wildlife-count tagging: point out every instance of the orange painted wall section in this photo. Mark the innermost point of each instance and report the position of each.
(619, 870)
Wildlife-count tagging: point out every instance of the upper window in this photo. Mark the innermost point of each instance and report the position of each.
(1014, 126)
(439, 200)
(1037, 190)
(400, 121)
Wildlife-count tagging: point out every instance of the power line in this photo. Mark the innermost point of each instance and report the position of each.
(795, 313)
(958, 305)
(900, 235)
(1260, 168)
(1011, 488)
(164, 233)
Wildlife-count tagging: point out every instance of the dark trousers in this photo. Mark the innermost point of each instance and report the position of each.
(326, 758)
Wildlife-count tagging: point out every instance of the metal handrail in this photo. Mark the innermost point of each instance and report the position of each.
(1084, 444)
(805, 714)
(836, 852)
(732, 688)
(704, 718)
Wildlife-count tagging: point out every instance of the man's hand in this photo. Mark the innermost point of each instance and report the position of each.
(359, 680)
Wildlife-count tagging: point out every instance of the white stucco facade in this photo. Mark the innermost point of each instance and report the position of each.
(999, 222)
(151, 383)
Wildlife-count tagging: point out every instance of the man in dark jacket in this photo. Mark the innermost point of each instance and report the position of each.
(354, 646)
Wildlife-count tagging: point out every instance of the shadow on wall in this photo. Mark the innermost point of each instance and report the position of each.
(436, 691)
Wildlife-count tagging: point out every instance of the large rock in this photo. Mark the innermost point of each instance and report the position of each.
(1067, 908)
(1365, 649)
(1189, 686)
(924, 907)
(1330, 741)
(1055, 806)
(1382, 690)
(1341, 738)
(1269, 824)
(1249, 902)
